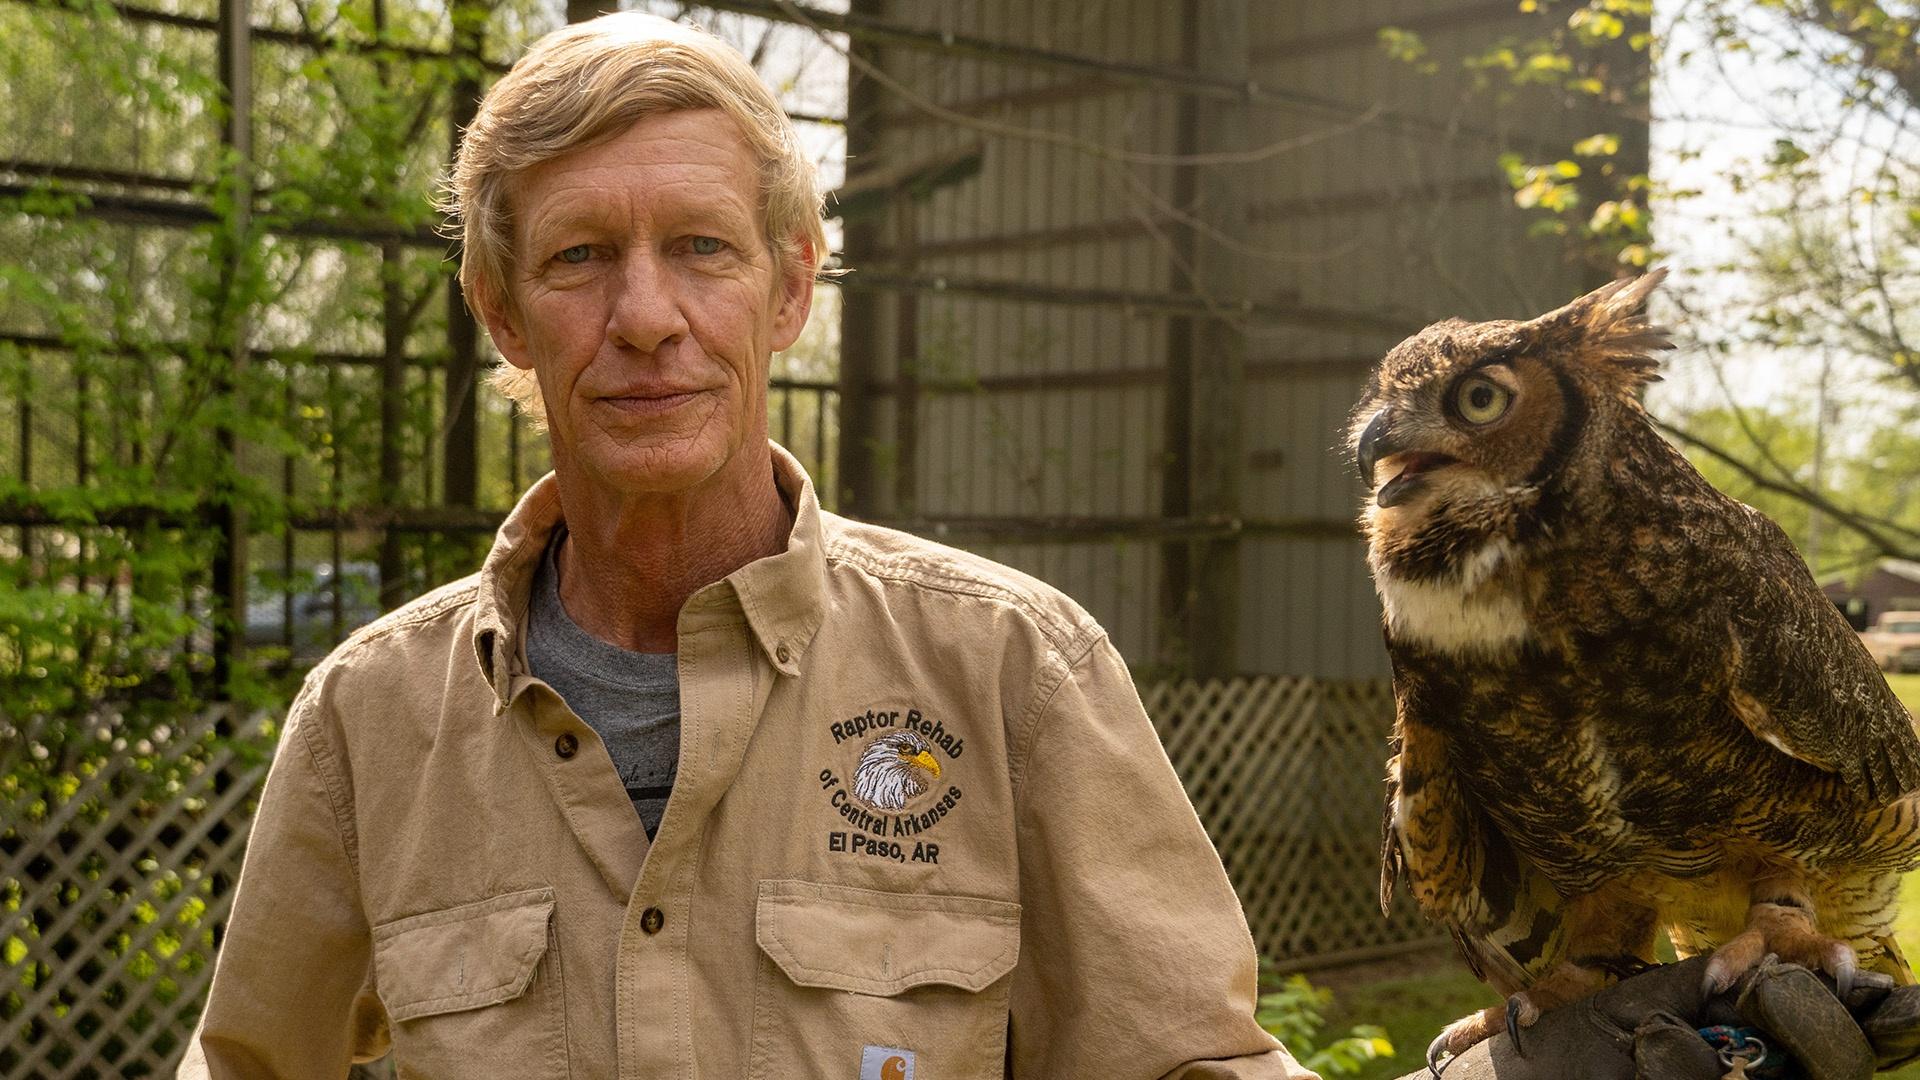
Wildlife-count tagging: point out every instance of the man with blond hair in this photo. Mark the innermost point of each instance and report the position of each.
(694, 779)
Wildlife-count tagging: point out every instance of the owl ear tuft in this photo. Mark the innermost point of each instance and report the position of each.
(1608, 328)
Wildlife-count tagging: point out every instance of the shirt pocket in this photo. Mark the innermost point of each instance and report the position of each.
(475, 990)
(850, 976)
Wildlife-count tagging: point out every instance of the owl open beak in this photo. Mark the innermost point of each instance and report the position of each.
(1376, 442)
(1405, 483)
(1379, 443)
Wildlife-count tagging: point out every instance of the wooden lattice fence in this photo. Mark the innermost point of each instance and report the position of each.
(117, 871)
(1285, 773)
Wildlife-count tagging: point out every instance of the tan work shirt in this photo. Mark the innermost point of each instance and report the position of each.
(921, 830)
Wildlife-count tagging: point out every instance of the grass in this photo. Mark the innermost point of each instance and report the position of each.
(1413, 1007)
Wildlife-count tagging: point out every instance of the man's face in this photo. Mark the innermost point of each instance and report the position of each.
(647, 302)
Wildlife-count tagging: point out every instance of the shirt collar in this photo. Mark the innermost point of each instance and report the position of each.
(782, 596)
(785, 595)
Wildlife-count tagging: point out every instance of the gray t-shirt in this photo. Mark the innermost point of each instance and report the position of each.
(631, 699)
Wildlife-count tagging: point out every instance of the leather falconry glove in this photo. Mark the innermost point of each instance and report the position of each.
(1648, 1027)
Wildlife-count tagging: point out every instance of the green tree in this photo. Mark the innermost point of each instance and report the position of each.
(117, 376)
(1814, 254)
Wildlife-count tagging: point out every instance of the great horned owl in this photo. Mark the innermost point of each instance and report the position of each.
(1622, 703)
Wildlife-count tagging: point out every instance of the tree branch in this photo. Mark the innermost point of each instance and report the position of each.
(1890, 538)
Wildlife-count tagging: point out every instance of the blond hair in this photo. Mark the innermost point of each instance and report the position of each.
(589, 82)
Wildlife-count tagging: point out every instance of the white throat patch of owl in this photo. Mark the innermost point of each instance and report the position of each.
(1479, 566)
(1454, 614)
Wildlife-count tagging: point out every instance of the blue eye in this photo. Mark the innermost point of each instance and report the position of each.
(578, 253)
(706, 245)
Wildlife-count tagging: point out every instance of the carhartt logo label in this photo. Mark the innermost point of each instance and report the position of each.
(886, 1063)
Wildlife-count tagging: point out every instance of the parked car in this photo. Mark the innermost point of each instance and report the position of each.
(1894, 640)
(313, 592)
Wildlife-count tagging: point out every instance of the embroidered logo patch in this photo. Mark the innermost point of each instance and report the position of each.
(886, 1063)
(895, 770)
(903, 784)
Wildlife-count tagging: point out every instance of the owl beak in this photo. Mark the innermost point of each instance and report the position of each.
(1376, 442)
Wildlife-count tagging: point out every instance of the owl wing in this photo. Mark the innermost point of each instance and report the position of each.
(1801, 678)
(1501, 910)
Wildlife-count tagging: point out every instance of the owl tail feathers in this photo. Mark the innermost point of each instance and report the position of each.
(1527, 940)
(1891, 962)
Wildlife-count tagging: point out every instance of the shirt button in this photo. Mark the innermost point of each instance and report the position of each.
(651, 920)
(782, 653)
(566, 744)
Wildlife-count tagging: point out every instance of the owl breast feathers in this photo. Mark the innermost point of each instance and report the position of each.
(1622, 703)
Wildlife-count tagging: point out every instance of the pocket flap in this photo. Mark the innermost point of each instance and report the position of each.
(840, 938)
(461, 958)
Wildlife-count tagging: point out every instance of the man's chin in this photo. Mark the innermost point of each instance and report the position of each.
(666, 468)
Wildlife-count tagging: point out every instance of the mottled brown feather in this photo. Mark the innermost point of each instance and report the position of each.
(1638, 702)
(1818, 691)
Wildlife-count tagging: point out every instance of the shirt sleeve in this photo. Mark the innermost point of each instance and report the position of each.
(1135, 956)
(290, 995)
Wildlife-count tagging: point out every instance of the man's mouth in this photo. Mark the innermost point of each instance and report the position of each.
(1414, 468)
(647, 402)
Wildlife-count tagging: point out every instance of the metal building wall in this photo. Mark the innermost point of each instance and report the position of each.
(1128, 375)
(1406, 214)
(1044, 403)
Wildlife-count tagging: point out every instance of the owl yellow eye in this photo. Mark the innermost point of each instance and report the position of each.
(1481, 401)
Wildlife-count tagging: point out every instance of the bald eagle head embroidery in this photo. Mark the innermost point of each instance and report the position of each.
(895, 770)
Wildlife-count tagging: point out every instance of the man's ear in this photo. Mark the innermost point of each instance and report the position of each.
(795, 299)
(503, 323)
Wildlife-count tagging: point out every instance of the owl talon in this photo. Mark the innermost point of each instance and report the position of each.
(1462, 1035)
(1513, 1024)
(1843, 965)
(1873, 980)
(1624, 966)
(1785, 929)
(1437, 1053)
(1732, 960)
(1715, 981)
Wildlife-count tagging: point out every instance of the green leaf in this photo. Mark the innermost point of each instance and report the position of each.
(1602, 145)
(1543, 62)
(1402, 45)
(1786, 154)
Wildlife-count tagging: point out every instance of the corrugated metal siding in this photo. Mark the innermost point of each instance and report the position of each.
(1092, 449)
(1412, 224)
(1401, 217)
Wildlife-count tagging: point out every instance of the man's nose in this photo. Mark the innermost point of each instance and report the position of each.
(646, 311)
